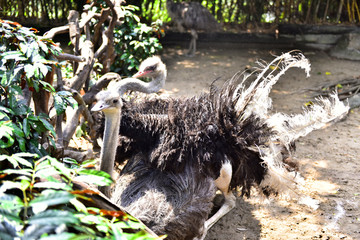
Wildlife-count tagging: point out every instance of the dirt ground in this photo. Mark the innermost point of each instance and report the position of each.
(329, 158)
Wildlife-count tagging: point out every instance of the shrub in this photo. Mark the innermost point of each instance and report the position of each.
(135, 41)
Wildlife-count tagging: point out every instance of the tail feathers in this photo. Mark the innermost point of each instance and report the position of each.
(253, 102)
(290, 128)
(287, 129)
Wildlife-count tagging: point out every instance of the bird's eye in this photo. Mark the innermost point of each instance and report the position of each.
(115, 101)
(151, 68)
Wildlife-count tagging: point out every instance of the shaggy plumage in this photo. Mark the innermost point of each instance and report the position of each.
(176, 145)
(233, 121)
(167, 202)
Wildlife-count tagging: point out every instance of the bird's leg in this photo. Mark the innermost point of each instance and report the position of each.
(222, 183)
(192, 47)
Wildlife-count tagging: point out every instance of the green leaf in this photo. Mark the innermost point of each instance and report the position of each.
(6, 139)
(53, 217)
(21, 160)
(61, 167)
(29, 70)
(43, 68)
(43, 46)
(117, 231)
(50, 198)
(130, 224)
(80, 207)
(47, 125)
(6, 185)
(22, 143)
(7, 110)
(26, 127)
(16, 55)
(67, 236)
(10, 215)
(23, 47)
(11, 202)
(10, 159)
(91, 176)
(23, 172)
(59, 104)
(24, 184)
(53, 185)
(6, 236)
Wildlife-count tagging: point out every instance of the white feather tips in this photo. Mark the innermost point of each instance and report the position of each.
(255, 101)
(260, 88)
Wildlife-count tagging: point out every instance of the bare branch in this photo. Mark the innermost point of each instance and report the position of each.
(70, 57)
(83, 71)
(85, 20)
(59, 118)
(98, 27)
(74, 29)
(73, 121)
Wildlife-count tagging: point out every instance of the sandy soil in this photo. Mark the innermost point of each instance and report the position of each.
(329, 158)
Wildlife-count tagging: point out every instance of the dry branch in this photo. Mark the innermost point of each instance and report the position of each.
(70, 57)
(347, 89)
(84, 68)
(73, 120)
(74, 30)
(99, 26)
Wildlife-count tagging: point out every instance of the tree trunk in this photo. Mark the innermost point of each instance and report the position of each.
(316, 11)
(326, 10)
(277, 11)
(307, 19)
(338, 15)
(21, 10)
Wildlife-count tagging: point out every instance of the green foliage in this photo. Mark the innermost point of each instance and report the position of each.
(25, 60)
(135, 41)
(37, 202)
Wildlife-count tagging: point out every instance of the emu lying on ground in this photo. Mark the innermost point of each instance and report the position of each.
(168, 203)
(227, 138)
(191, 16)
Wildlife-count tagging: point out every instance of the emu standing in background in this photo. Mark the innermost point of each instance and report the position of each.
(181, 148)
(191, 16)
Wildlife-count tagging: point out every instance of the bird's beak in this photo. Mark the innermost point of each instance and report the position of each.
(140, 74)
(99, 106)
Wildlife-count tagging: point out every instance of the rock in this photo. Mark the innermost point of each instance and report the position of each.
(354, 101)
(348, 47)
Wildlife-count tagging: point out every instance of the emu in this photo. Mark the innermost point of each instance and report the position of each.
(151, 67)
(191, 16)
(224, 139)
(167, 202)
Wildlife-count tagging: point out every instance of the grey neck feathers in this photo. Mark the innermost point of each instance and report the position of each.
(110, 142)
(137, 85)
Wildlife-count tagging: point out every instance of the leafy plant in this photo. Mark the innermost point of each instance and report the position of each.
(37, 196)
(135, 41)
(25, 59)
(37, 201)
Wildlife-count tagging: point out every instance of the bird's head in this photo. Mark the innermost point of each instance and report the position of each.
(108, 102)
(151, 67)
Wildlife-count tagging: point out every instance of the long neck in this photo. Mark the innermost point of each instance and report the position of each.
(110, 142)
(137, 85)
